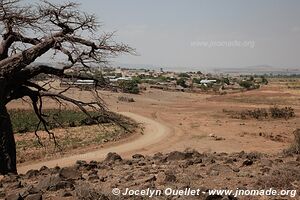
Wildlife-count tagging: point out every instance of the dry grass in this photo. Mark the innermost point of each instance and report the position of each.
(72, 139)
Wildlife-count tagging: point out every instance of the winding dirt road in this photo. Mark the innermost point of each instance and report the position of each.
(154, 132)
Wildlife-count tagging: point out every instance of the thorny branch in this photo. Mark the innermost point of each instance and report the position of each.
(62, 29)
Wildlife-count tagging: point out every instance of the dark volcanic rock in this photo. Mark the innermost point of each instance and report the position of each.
(38, 196)
(86, 192)
(247, 162)
(48, 182)
(32, 173)
(214, 197)
(70, 173)
(170, 178)
(62, 185)
(176, 155)
(138, 156)
(112, 157)
(15, 196)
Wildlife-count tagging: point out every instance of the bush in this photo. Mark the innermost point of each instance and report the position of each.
(197, 80)
(258, 113)
(126, 99)
(129, 87)
(181, 82)
(286, 112)
(26, 120)
(184, 75)
(246, 84)
(264, 80)
(262, 113)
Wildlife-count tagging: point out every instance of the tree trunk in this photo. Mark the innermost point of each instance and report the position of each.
(7, 143)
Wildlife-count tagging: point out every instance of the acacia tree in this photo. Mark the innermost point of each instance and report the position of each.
(58, 29)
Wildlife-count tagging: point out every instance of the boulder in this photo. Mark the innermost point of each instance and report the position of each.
(176, 155)
(38, 196)
(247, 162)
(14, 196)
(32, 173)
(48, 182)
(138, 156)
(113, 157)
(70, 173)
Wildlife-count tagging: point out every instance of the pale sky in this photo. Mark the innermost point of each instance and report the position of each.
(208, 33)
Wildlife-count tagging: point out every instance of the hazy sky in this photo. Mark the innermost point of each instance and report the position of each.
(195, 33)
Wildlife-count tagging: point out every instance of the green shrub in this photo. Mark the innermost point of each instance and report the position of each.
(184, 75)
(26, 120)
(249, 85)
(181, 82)
(130, 86)
(264, 80)
(246, 84)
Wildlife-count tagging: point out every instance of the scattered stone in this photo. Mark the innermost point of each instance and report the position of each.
(138, 156)
(32, 173)
(157, 156)
(127, 162)
(113, 157)
(67, 194)
(266, 162)
(48, 182)
(221, 168)
(10, 178)
(247, 162)
(142, 163)
(43, 168)
(265, 170)
(177, 169)
(214, 197)
(169, 178)
(129, 177)
(150, 179)
(93, 177)
(38, 196)
(70, 173)
(62, 185)
(213, 173)
(85, 191)
(81, 163)
(104, 140)
(197, 160)
(15, 196)
(235, 169)
(176, 155)
(33, 190)
(253, 156)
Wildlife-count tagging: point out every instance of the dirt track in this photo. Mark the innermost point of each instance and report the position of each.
(178, 121)
(154, 132)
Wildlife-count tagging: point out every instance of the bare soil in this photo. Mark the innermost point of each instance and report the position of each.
(197, 121)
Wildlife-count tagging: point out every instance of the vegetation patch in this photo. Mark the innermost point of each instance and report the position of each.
(129, 86)
(262, 113)
(27, 121)
(126, 99)
(70, 131)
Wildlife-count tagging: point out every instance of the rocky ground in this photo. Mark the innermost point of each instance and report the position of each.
(177, 170)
